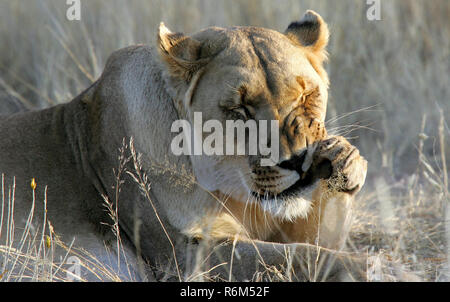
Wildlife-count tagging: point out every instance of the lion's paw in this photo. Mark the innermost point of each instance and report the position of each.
(349, 168)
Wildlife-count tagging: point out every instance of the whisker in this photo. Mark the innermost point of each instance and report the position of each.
(337, 118)
(345, 130)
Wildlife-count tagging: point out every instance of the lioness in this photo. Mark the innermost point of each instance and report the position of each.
(255, 213)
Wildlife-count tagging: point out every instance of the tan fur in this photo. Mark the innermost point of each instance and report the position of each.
(303, 129)
(72, 149)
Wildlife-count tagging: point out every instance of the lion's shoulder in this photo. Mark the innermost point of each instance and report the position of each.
(121, 57)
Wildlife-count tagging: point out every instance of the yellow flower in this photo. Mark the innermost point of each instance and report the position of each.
(48, 241)
(33, 184)
(2, 274)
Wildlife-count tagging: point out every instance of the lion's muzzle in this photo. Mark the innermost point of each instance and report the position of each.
(290, 177)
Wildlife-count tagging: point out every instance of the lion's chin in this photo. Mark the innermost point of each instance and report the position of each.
(291, 203)
(287, 208)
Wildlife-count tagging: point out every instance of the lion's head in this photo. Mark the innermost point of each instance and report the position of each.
(250, 73)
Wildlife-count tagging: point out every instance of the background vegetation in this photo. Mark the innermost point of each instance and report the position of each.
(389, 92)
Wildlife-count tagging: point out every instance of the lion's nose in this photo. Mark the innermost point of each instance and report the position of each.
(294, 163)
(321, 169)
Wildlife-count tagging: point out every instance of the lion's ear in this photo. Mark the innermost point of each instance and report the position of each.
(181, 53)
(311, 32)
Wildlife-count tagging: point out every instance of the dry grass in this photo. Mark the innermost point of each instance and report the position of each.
(33, 256)
(389, 94)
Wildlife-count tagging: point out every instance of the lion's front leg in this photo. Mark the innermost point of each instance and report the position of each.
(327, 223)
(329, 220)
(266, 261)
(333, 217)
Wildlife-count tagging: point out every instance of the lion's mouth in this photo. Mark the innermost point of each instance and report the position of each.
(295, 190)
(321, 170)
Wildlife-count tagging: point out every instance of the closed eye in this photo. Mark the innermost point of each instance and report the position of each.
(311, 94)
(238, 111)
(242, 111)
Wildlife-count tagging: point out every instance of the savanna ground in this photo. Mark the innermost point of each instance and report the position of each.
(389, 94)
